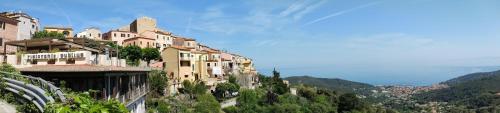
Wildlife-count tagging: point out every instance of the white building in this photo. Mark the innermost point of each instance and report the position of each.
(27, 25)
(91, 33)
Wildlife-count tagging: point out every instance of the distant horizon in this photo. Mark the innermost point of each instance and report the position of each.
(460, 71)
(417, 42)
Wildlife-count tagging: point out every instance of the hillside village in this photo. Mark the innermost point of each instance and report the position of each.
(93, 58)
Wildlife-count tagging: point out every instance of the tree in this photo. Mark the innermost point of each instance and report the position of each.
(158, 82)
(247, 101)
(206, 103)
(132, 53)
(45, 34)
(223, 88)
(194, 89)
(187, 87)
(199, 88)
(150, 54)
(307, 92)
(349, 102)
(232, 79)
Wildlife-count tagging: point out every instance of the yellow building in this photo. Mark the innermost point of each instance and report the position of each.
(178, 64)
(67, 31)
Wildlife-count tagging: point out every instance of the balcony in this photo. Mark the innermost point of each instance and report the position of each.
(184, 58)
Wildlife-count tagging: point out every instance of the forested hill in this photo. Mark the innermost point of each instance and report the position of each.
(473, 90)
(335, 84)
(470, 77)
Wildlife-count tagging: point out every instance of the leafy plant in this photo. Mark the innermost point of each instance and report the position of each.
(149, 54)
(83, 103)
(45, 34)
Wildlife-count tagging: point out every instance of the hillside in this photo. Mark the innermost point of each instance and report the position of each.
(339, 85)
(473, 90)
(470, 77)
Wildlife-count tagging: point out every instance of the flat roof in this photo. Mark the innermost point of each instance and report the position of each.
(82, 68)
(46, 42)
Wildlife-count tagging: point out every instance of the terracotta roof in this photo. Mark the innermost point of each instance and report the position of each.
(81, 68)
(117, 30)
(199, 52)
(9, 20)
(138, 38)
(179, 48)
(211, 51)
(223, 59)
(163, 32)
(184, 38)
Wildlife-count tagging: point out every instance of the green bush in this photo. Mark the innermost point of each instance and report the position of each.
(83, 103)
(207, 104)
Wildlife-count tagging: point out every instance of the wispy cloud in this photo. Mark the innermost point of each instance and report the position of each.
(260, 18)
(62, 12)
(342, 12)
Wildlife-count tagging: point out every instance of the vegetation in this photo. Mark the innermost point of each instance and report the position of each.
(83, 103)
(22, 105)
(194, 89)
(272, 98)
(158, 82)
(225, 90)
(149, 54)
(45, 34)
(9, 68)
(207, 104)
(132, 53)
(339, 85)
(473, 92)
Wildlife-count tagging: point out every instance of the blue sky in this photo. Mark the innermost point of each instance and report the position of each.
(417, 42)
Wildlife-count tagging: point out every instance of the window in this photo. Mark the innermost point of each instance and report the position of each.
(215, 64)
(1, 41)
(147, 44)
(185, 63)
(114, 34)
(208, 64)
(90, 34)
(123, 35)
(185, 76)
(140, 43)
(128, 35)
(157, 36)
(98, 34)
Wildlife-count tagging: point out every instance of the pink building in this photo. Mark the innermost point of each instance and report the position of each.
(8, 32)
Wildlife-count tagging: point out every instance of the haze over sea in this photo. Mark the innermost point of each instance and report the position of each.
(416, 42)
